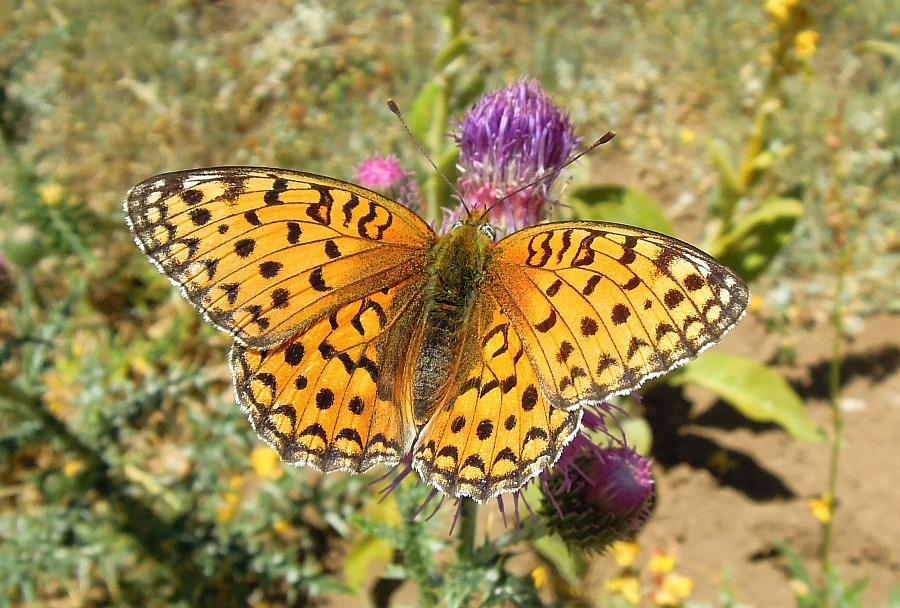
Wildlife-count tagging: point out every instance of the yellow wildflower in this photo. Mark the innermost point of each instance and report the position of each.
(624, 553)
(51, 193)
(539, 576)
(73, 468)
(780, 9)
(661, 563)
(627, 586)
(805, 43)
(675, 589)
(235, 482)
(266, 463)
(229, 509)
(281, 526)
(687, 136)
(756, 304)
(822, 507)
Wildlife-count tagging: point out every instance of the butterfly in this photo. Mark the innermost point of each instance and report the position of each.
(363, 337)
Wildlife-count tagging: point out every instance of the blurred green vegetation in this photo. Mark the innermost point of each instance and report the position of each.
(130, 477)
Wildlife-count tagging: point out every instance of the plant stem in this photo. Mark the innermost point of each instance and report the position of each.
(434, 185)
(468, 520)
(839, 227)
(837, 422)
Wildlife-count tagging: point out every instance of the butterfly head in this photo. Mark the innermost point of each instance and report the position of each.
(477, 220)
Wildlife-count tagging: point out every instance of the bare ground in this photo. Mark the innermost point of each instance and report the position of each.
(718, 520)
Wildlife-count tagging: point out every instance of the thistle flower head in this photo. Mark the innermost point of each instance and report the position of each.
(507, 140)
(595, 496)
(384, 174)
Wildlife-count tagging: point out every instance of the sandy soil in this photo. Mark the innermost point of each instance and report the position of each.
(715, 521)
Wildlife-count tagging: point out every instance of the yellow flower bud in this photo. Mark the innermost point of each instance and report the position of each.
(51, 193)
(539, 576)
(780, 10)
(266, 463)
(624, 553)
(821, 508)
(805, 43)
(627, 586)
(661, 563)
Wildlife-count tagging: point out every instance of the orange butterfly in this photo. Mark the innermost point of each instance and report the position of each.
(362, 336)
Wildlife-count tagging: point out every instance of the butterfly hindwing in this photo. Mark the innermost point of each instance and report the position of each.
(495, 430)
(601, 308)
(264, 252)
(324, 397)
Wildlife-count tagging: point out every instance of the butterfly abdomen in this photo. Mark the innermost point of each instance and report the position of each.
(455, 273)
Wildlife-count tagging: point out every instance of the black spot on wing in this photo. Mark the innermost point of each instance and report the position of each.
(317, 282)
(200, 216)
(294, 232)
(244, 247)
(331, 249)
(620, 314)
(270, 269)
(350, 435)
(314, 430)
(591, 284)
(545, 325)
(252, 218)
(192, 197)
(554, 288)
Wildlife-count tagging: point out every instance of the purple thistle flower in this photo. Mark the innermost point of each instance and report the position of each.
(384, 174)
(594, 496)
(507, 140)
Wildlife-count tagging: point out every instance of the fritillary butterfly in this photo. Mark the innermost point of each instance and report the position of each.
(362, 336)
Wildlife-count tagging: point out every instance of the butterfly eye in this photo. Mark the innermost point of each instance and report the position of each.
(487, 230)
(458, 224)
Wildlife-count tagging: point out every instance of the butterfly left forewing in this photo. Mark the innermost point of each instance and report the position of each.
(265, 252)
(601, 307)
(495, 429)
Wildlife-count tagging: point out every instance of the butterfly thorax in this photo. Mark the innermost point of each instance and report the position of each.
(455, 272)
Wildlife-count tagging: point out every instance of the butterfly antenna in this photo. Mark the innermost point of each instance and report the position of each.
(396, 110)
(606, 137)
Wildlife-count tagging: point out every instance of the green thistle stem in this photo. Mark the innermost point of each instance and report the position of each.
(468, 520)
(435, 188)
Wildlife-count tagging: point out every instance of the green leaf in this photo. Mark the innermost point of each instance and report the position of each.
(569, 564)
(894, 599)
(842, 594)
(639, 434)
(720, 155)
(468, 87)
(888, 50)
(421, 114)
(364, 555)
(795, 565)
(620, 205)
(756, 391)
(457, 47)
(758, 237)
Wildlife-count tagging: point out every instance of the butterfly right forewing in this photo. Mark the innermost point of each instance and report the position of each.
(602, 307)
